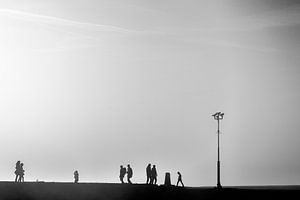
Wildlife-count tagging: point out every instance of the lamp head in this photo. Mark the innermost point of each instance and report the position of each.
(218, 115)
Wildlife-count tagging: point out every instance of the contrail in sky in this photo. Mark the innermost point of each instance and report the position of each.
(60, 21)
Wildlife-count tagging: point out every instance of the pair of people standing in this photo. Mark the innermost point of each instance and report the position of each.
(19, 172)
(123, 172)
(151, 174)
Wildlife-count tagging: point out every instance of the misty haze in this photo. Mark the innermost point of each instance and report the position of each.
(89, 86)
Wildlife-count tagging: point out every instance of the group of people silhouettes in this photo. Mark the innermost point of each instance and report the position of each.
(123, 172)
(151, 174)
(19, 172)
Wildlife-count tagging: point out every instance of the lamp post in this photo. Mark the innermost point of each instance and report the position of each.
(218, 116)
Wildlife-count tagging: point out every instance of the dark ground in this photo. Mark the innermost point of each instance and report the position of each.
(109, 191)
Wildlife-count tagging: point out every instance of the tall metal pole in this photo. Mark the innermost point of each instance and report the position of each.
(218, 116)
(218, 162)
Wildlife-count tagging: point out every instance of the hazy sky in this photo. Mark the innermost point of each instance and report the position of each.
(89, 85)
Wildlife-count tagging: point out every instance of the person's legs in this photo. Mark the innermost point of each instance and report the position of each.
(181, 183)
(128, 180)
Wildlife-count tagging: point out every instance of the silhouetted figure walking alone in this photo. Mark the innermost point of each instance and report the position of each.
(129, 174)
(21, 173)
(76, 176)
(179, 179)
(148, 173)
(122, 173)
(17, 171)
(153, 175)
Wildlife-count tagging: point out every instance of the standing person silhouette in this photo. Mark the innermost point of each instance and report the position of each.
(76, 176)
(153, 175)
(122, 173)
(148, 173)
(17, 171)
(21, 173)
(179, 179)
(129, 174)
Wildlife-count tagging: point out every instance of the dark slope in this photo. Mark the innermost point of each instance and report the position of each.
(105, 191)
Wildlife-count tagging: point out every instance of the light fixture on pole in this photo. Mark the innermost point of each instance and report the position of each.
(218, 116)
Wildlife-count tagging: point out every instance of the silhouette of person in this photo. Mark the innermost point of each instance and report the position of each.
(122, 173)
(148, 173)
(17, 171)
(153, 175)
(21, 173)
(179, 179)
(76, 176)
(129, 174)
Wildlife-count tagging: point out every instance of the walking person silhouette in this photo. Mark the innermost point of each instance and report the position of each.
(148, 173)
(153, 175)
(21, 173)
(179, 179)
(17, 171)
(76, 176)
(129, 174)
(122, 173)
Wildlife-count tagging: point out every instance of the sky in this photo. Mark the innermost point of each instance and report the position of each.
(90, 85)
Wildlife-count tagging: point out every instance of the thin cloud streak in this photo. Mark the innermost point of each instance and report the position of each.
(60, 21)
(245, 23)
